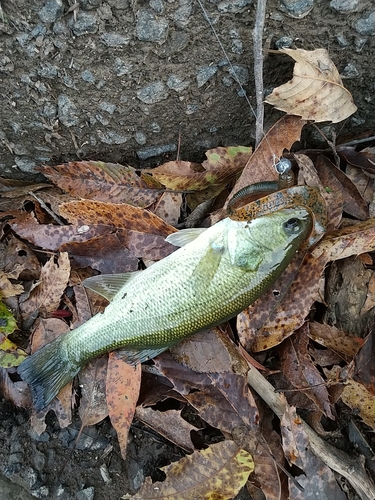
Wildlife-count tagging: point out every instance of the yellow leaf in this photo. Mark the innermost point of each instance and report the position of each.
(316, 91)
(356, 396)
(219, 472)
(10, 355)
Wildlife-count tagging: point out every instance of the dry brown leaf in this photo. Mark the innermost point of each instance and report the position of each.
(333, 199)
(336, 180)
(7, 288)
(361, 400)
(46, 296)
(101, 181)
(168, 424)
(17, 260)
(92, 379)
(299, 369)
(51, 236)
(318, 480)
(122, 391)
(222, 399)
(316, 91)
(168, 207)
(17, 392)
(124, 216)
(364, 159)
(335, 339)
(221, 165)
(210, 351)
(260, 166)
(351, 240)
(119, 251)
(219, 471)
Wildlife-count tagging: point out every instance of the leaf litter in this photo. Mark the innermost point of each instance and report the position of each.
(104, 218)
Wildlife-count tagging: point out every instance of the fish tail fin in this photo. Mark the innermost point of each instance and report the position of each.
(47, 371)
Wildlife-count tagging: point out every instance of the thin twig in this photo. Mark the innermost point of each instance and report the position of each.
(258, 68)
(46, 208)
(349, 467)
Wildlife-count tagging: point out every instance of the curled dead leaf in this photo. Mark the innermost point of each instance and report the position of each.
(316, 91)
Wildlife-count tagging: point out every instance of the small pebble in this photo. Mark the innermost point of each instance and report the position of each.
(84, 24)
(284, 42)
(204, 73)
(227, 81)
(359, 43)
(157, 6)
(51, 11)
(155, 127)
(150, 27)
(6, 65)
(86, 494)
(49, 111)
(108, 107)
(344, 6)
(192, 108)
(87, 76)
(115, 39)
(233, 6)
(42, 492)
(140, 138)
(297, 8)
(154, 92)
(144, 154)
(182, 15)
(237, 46)
(111, 137)
(67, 111)
(350, 71)
(47, 70)
(177, 84)
(342, 41)
(25, 164)
(121, 67)
(100, 118)
(239, 73)
(366, 25)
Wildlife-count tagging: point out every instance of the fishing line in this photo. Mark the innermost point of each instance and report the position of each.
(283, 165)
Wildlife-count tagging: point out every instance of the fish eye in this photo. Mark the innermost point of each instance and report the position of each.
(292, 225)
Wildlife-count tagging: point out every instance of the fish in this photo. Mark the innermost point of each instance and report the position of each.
(215, 274)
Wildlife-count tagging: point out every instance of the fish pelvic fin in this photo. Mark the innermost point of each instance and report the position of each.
(47, 371)
(134, 356)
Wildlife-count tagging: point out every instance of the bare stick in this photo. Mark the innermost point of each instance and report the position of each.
(258, 68)
(349, 467)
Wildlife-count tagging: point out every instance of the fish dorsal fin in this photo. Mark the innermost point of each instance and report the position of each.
(184, 236)
(108, 285)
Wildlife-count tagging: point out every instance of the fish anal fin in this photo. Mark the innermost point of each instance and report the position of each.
(108, 285)
(185, 236)
(134, 356)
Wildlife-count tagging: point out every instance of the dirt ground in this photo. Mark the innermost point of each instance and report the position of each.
(117, 81)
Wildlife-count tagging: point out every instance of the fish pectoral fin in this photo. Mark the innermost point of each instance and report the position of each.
(242, 252)
(206, 268)
(108, 285)
(185, 236)
(136, 356)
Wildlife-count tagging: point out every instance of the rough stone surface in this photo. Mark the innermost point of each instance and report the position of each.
(297, 8)
(366, 24)
(150, 27)
(155, 92)
(103, 73)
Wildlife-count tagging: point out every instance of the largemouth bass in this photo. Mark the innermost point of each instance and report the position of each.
(215, 274)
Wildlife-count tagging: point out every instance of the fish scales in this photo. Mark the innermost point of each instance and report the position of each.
(204, 283)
